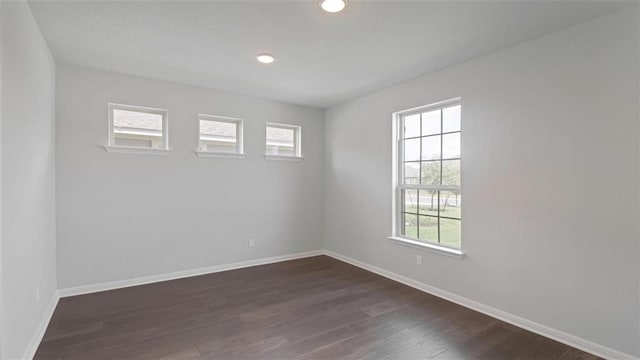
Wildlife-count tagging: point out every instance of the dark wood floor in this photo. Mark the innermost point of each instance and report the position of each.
(313, 308)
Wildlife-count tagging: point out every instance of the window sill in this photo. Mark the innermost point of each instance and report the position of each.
(210, 154)
(438, 249)
(135, 150)
(283, 157)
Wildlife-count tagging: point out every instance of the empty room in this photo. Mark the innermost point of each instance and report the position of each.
(319, 179)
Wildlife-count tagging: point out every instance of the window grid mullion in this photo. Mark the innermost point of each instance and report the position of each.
(436, 134)
(431, 187)
(420, 181)
(450, 218)
(441, 165)
(400, 178)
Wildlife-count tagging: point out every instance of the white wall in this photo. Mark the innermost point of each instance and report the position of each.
(1, 287)
(550, 180)
(28, 178)
(122, 216)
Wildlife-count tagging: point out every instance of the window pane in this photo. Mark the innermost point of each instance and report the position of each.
(412, 149)
(412, 126)
(410, 225)
(450, 232)
(218, 136)
(451, 172)
(451, 146)
(281, 141)
(431, 147)
(412, 173)
(431, 122)
(450, 202)
(428, 228)
(137, 129)
(410, 201)
(430, 173)
(428, 202)
(451, 119)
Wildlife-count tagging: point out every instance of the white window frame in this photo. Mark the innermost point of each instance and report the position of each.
(398, 173)
(239, 154)
(111, 147)
(297, 142)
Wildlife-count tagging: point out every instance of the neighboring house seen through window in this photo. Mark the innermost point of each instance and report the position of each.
(283, 140)
(137, 127)
(220, 135)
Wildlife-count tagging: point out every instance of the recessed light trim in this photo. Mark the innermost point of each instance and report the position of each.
(333, 6)
(266, 58)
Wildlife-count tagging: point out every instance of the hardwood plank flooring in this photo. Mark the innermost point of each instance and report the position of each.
(313, 308)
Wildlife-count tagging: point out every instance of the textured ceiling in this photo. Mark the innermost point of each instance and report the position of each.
(321, 59)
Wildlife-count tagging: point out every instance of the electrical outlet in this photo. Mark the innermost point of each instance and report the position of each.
(252, 243)
(419, 259)
(37, 295)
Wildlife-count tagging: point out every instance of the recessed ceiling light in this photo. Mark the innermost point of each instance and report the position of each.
(333, 6)
(265, 58)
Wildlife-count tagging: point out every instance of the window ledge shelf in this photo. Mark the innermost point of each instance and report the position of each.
(283, 157)
(134, 150)
(209, 154)
(438, 249)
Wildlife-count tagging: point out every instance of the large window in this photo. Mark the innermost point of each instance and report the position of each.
(219, 135)
(137, 128)
(427, 195)
(283, 141)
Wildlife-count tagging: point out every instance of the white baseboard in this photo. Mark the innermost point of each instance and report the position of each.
(32, 347)
(112, 285)
(557, 335)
